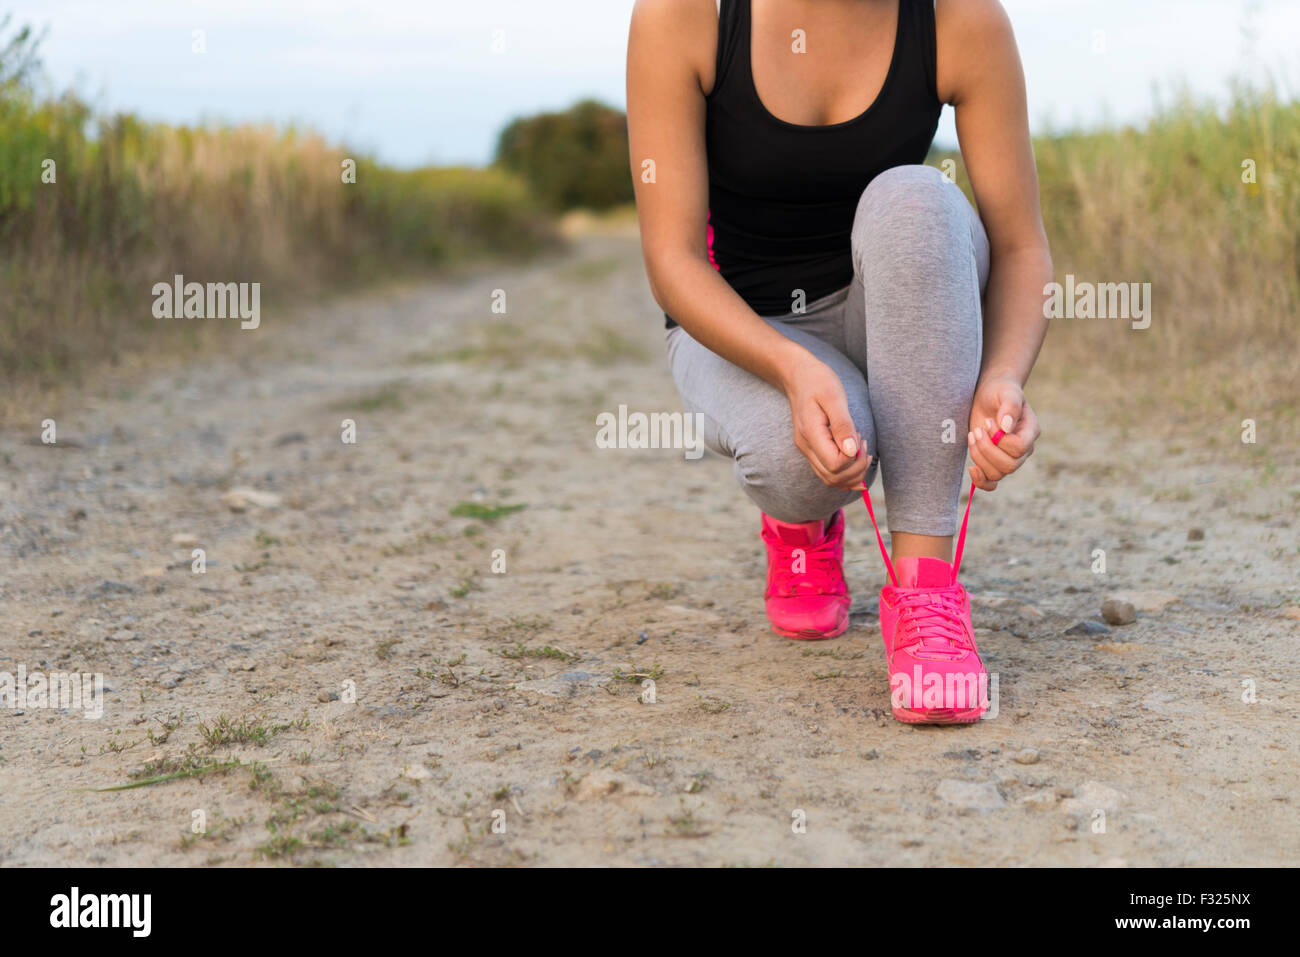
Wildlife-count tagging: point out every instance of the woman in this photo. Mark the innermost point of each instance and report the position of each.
(832, 305)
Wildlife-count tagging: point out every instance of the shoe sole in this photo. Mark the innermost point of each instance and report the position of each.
(938, 716)
(809, 634)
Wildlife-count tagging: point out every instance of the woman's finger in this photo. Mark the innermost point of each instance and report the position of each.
(992, 462)
(852, 476)
(981, 482)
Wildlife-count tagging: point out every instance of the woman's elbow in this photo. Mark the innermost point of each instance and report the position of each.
(663, 268)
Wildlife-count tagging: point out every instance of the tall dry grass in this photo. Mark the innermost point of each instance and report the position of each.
(134, 203)
(1167, 204)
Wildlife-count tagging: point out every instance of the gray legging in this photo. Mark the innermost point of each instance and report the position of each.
(904, 337)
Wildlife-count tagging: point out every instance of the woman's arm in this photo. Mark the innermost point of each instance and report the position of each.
(671, 50)
(981, 76)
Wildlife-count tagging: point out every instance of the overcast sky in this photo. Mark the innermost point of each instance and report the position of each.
(419, 81)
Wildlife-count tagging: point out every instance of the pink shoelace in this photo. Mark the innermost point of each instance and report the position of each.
(931, 623)
(821, 574)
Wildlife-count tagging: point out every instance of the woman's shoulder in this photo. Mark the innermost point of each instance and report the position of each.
(970, 35)
(971, 19)
(682, 30)
(680, 15)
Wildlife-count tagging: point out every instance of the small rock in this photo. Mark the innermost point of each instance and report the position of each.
(1196, 534)
(602, 783)
(326, 696)
(1027, 756)
(567, 685)
(1116, 611)
(1039, 800)
(1089, 797)
(1087, 628)
(416, 772)
(171, 680)
(115, 588)
(239, 499)
(289, 438)
(969, 796)
(1147, 602)
(185, 540)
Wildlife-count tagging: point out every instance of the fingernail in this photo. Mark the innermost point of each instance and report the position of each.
(988, 423)
(851, 448)
(1007, 423)
(979, 435)
(970, 438)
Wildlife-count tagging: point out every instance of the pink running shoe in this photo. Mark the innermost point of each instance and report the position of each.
(806, 596)
(936, 675)
(935, 672)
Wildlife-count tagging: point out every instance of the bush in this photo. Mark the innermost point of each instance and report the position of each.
(578, 158)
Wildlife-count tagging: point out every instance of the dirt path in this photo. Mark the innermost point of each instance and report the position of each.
(627, 563)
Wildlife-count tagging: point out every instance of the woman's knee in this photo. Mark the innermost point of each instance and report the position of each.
(779, 480)
(915, 217)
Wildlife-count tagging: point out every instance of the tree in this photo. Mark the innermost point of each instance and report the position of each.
(571, 159)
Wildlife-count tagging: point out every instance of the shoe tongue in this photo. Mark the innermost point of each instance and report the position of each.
(802, 533)
(923, 572)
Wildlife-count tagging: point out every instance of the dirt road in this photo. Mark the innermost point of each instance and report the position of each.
(353, 678)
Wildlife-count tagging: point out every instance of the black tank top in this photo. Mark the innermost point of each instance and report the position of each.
(782, 197)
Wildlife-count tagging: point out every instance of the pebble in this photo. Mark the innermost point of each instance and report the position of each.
(1147, 602)
(239, 499)
(1039, 800)
(969, 796)
(1087, 628)
(1116, 611)
(1091, 796)
(603, 783)
(1027, 756)
(1196, 534)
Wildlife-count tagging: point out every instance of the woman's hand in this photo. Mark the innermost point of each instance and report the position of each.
(823, 429)
(1000, 405)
